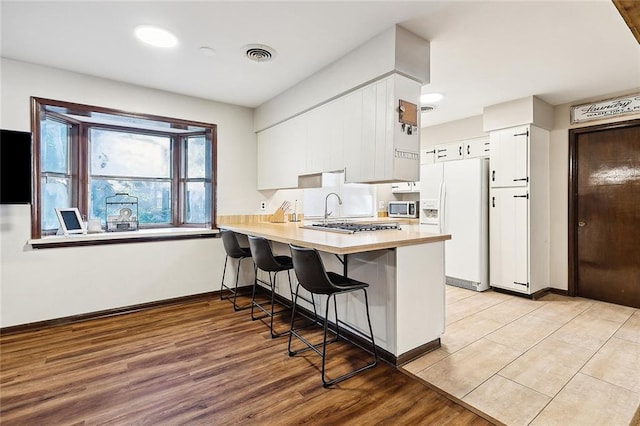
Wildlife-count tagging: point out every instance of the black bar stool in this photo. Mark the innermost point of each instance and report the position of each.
(312, 275)
(234, 251)
(264, 260)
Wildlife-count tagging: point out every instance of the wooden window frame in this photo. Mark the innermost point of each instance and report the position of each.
(80, 166)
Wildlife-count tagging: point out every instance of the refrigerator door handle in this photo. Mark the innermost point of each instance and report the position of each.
(442, 197)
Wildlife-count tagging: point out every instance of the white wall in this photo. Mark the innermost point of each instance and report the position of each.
(37, 285)
(467, 128)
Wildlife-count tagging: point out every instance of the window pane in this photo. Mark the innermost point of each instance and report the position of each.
(197, 203)
(129, 154)
(196, 157)
(154, 199)
(56, 193)
(54, 147)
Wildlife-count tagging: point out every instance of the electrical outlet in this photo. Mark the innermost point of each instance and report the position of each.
(263, 205)
(381, 205)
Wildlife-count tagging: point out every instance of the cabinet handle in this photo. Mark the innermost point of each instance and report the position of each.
(442, 156)
(521, 179)
(460, 151)
(468, 150)
(522, 134)
(431, 152)
(493, 175)
(493, 201)
(523, 284)
(521, 196)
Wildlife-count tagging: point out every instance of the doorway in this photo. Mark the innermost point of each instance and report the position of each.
(604, 213)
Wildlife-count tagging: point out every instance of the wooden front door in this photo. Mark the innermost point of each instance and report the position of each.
(605, 213)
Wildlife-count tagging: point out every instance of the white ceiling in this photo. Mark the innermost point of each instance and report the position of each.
(482, 52)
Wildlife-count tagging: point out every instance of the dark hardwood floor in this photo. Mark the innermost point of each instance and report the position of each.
(198, 362)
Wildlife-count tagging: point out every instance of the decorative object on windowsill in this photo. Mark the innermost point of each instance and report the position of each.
(70, 221)
(279, 216)
(122, 212)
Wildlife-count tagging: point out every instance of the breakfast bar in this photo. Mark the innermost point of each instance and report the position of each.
(405, 270)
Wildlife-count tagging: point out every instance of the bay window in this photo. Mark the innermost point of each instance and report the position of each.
(85, 154)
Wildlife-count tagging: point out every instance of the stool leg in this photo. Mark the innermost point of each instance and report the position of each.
(325, 383)
(373, 343)
(293, 316)
(253, 292)
(235, 292)
(272, 281)
(224, 271)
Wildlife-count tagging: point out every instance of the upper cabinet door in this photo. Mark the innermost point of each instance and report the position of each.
(428, 156)
(281, 158)
(325, 137)
(449, 151)
(352, 136)
(477, 147)
(510, 157)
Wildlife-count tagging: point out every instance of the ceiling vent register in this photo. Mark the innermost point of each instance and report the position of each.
(259, 52)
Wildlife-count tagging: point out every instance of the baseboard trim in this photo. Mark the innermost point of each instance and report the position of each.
(39, 325)
(559, 291)
(417, 352)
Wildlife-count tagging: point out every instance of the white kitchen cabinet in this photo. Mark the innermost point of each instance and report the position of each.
(476, 147)
(519, 209)
(324, 150)
(359, 132)
(405, 187)
(281, 154)
(449, 151)
(386, 150)
(509, 247)
(428, 155)
(461, 150)
(509, 157)
(353, 134)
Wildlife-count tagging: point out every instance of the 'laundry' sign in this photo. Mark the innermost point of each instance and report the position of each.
(624, 105)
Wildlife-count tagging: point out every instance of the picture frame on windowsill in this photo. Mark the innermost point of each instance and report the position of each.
(70, 221)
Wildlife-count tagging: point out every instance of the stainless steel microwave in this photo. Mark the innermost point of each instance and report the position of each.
(404, 208)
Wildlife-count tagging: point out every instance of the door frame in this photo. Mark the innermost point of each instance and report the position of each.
(573, 194)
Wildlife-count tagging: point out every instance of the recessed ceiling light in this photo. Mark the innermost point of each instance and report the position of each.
(155, 36)
(431, 97)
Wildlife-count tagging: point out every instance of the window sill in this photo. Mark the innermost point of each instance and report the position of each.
(143, 235)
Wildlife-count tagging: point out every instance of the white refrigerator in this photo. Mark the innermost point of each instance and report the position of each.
(454, 199)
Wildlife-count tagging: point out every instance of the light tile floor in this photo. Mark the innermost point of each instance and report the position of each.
(555, 361)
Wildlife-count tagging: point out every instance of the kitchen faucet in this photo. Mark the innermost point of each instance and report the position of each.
(326, 215)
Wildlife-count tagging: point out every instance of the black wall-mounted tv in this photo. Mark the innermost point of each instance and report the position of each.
(15, 167)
